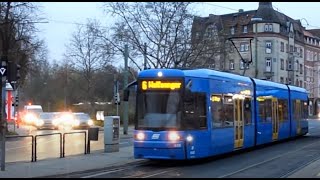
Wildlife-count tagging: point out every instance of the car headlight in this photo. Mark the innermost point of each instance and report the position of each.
(90, 122)
(40, 122)
(55, 122)
(76, 122)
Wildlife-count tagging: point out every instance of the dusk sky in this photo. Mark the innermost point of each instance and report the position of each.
(62, 17)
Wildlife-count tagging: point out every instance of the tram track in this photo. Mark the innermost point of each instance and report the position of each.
(308, 154)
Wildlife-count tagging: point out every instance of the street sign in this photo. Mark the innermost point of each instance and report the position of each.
(3, 71)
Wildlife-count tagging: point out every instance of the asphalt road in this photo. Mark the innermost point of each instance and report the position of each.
(19, 149)
(279, 160)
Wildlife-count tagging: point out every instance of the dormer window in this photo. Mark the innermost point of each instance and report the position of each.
(245, 29)
(232, 30)
(268, 28)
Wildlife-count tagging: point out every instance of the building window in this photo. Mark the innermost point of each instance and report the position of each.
(244, 47)
(281, 80)
(287, 48)
(282, 64)
(291, 48)
(286, 80)
(268, 64)
(289, 65)
(242, 64)
(231, 48)
(297, 65)
(232, 30)
(301, 69)
(231, 65)
(268, 28)
(245, 29)
(268, 47)
(282, 47)
(300, 83)
(301, 52)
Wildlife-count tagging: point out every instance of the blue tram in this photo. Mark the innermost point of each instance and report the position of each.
(188, 114)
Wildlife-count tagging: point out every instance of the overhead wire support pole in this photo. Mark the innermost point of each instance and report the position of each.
(125, 80)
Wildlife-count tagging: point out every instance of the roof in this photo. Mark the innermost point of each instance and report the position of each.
(315, 32)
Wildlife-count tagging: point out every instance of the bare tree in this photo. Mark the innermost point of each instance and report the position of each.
(18, 39)
(88, 54)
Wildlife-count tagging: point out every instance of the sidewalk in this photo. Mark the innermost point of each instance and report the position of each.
(76, 163)
(69, 164)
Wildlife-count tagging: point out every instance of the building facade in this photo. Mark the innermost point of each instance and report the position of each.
(266, 44)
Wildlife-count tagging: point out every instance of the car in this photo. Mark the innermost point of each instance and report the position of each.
(82, 120)
(66, 120)
(47, 120)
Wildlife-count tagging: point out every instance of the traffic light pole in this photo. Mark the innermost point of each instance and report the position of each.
(3, 116)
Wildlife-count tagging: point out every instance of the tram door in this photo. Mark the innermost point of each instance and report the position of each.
(238, 123)
(297, 113)
(275, 119)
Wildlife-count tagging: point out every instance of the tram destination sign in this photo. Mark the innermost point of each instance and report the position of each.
(160, 85)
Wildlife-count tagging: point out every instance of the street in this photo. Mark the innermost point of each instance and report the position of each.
(277, 160)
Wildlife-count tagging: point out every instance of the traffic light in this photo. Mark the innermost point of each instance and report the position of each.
(17, 101)
(13, 72)
(117, 99)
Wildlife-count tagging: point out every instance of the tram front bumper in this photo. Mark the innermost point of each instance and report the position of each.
(159, 150)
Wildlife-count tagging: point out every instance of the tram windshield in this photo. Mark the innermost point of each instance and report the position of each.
(159, 109)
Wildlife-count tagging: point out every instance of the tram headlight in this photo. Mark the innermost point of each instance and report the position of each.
(173, 136)
(189, 138)
(140, 136)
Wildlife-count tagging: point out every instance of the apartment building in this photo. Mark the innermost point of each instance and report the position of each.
(268, 45)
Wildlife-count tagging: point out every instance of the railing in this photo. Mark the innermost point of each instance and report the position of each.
(35, 144)
(32, 144)
(85, 141)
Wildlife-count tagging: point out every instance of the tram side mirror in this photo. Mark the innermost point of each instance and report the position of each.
(126, 94)
(188, 95)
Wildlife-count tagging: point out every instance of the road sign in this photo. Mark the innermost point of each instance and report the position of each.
(3, 71)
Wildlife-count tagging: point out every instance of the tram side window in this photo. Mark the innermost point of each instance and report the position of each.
(195, 111)
(217, 111)
(283, 109)
(228, 110)
(262, 111)
(297, 109)
(265, 110)
(268, 107)
(247, 110)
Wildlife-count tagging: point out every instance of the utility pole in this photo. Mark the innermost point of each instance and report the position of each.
(256, 51)
(145, 57)
(125, 83)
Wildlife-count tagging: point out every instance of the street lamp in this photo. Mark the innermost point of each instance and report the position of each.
(255, 21)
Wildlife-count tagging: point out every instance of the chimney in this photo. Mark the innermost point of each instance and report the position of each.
(265, 5)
